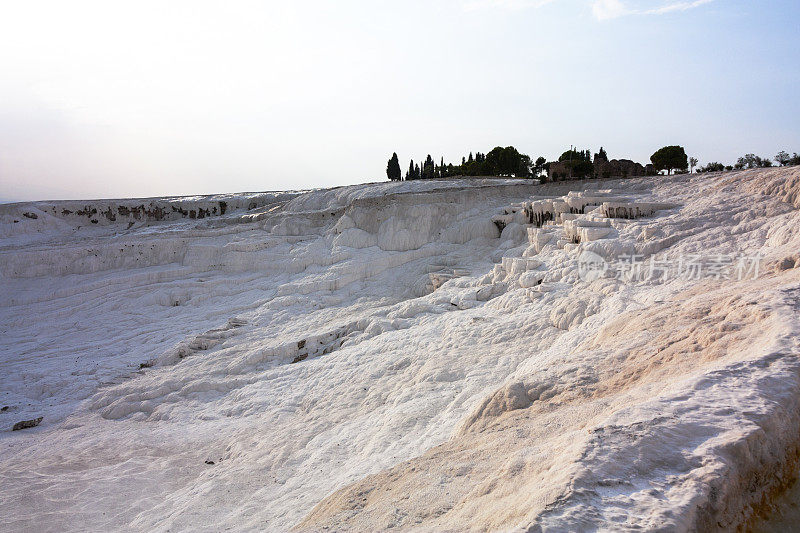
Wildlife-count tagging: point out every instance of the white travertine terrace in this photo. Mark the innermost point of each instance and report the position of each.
(413, 356)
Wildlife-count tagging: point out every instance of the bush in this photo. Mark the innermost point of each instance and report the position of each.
(712, 167)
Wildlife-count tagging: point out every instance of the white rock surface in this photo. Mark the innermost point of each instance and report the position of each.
(379, 356)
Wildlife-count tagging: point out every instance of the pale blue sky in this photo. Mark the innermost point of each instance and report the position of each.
(110, 99)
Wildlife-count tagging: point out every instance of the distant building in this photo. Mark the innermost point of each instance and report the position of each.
(559, 170)
(617, 168)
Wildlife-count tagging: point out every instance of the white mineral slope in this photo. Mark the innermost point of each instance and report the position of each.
(382, 356)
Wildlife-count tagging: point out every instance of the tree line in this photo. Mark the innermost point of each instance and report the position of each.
(675, 157)
(748, 161)
(498, 161)
(509, 162)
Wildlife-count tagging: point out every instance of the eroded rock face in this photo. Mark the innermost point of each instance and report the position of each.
(126, 213)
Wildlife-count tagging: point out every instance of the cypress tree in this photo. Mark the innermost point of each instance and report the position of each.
(393, 171)
(428, 168)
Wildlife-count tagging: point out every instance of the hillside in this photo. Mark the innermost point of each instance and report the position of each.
(439, 355)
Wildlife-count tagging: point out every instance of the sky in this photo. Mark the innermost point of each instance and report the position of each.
(113, 99)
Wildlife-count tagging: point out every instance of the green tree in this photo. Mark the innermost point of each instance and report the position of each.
(579, 163)
(712, 167)
(538, 166)
(428, 168)
(524, 167)
(410, 172)
(393, 171)
(692, 164)
(753, 161)
(507, 162)
(576, 156)
(782, 158)
(670, 158)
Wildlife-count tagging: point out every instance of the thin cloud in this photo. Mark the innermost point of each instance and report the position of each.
(611, 9)
(505, 4)
(678, 6)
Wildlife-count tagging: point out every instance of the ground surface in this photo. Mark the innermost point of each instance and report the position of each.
(428, 355)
